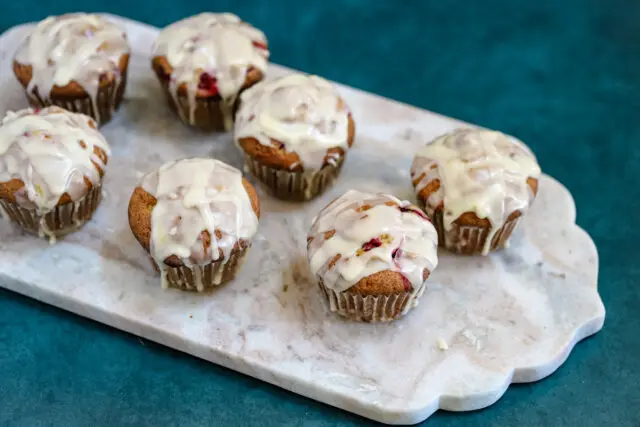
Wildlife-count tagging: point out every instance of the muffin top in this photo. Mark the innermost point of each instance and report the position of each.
(211, 53)
(194, 211)
(78, 47)
(298, 118)
(479, 171)
(49, 157)
(360, 235)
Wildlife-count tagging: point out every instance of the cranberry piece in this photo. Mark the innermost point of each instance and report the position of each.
(163, 75)
(417, 212)
(407, 284)
(260, 45)
(373, 243)
(208, 83)
(395, 255)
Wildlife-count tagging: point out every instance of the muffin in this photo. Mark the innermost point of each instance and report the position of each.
(76, 61)
(196, 218)
(51, 166)
(475, 185)
(294, 132)
(371, 255)
(204, 62)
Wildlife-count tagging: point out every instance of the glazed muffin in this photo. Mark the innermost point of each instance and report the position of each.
(204, 62)
(371, 255)
(196, 218)
(475, 185)
(294, 132)
(76, 61)
(51, 166)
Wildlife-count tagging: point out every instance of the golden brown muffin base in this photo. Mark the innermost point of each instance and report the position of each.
(294, 186)
(469, 233)
(471, 239)
(275, 156)
(282, 173)
(202, 278)
(211, 113)
(175, 273)
(73, 97)
(65, 218)
(380, 297)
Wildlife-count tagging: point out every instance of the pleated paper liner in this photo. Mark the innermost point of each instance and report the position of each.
(201, 278)
(381, 308)
(294, 186)
(62, 220)
(106, 103)
(471, 240)
(209, 114)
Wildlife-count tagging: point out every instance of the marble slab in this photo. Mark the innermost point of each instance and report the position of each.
(511, 317)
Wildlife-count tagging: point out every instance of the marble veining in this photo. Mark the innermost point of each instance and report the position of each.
(512, 316)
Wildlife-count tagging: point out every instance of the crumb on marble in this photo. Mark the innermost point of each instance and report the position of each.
(442, 344)
(285, 288)
(191, 316)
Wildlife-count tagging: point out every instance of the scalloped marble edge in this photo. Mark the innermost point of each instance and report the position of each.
(375, 410)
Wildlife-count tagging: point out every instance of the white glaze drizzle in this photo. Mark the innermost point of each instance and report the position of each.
(196, 195)
(408, 240)
(480, 171)
(305, 113)
(52, 152)
(74, 47)
(218, 44)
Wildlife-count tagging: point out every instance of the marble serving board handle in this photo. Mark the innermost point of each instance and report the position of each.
(483, 323)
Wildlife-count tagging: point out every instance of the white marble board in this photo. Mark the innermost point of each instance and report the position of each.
(511, 317)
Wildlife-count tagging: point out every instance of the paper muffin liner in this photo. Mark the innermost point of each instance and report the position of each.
(372, 309)
(62, 220)
(470, 240)
(209, 114)
(295, 186)
(101, 109)
(201, 278)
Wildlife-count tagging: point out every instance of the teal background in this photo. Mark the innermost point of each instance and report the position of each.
(561, 75)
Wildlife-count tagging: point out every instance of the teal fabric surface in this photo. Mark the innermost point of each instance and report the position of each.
(564, 76)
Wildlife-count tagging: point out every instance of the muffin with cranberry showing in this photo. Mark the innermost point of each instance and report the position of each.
(371, 255)
(204, 62)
